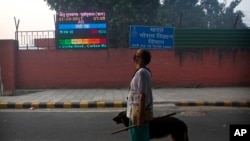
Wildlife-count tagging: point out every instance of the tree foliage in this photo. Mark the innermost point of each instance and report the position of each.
(206, 14)
(217, 15)
(182, 14)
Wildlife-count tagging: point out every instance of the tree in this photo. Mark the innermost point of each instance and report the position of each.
(235, 18)
(208, 14)
(218, 16)
(181, 14)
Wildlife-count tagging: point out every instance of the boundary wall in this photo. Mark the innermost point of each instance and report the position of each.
(113, 68)
(8, 65)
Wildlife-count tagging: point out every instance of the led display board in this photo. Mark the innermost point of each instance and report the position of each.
(151, 37)
(81, 30)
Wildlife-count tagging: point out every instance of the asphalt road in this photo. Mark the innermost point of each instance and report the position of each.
(204, 123)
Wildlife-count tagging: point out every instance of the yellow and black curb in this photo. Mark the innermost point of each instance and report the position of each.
(215, 103)
(114, 104)
(83, 104)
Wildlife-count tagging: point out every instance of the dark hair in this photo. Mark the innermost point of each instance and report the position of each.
(145, 56)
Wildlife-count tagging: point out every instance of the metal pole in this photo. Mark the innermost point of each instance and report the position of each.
(17, 26)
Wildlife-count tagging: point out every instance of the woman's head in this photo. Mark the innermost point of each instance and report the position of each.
(142, 57)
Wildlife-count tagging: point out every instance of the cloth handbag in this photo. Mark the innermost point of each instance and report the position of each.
(148, 115)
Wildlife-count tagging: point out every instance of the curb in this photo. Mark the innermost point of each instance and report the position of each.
(215, 103)
(114, 104)
(83, 104)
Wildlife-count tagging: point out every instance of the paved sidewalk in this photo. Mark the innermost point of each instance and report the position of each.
(90, 98)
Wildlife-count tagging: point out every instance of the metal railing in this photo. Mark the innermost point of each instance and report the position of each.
(36, 40)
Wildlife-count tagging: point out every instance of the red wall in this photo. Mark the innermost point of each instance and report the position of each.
(74, 68)
(46, 43)
(113, 68)
(8, 54)
(208, 67)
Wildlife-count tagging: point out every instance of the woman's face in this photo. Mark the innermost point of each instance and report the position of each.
(137, 57)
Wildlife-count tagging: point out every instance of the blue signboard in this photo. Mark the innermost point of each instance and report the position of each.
(151, 37)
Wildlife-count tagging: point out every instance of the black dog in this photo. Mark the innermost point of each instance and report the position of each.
(161, 127)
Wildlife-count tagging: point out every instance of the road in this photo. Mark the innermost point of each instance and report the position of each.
(204, 123)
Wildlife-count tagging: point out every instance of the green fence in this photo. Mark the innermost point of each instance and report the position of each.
(184, 38)
(212, 38)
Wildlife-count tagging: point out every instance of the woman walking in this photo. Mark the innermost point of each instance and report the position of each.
(140, 99)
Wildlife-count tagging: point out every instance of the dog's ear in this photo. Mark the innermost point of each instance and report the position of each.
(122, 112)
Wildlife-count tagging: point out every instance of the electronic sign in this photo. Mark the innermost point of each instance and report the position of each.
(81, 30)
(151, 37)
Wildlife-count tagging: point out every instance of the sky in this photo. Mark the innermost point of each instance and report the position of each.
(35, 15)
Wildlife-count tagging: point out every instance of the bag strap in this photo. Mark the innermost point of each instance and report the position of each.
(144, 68)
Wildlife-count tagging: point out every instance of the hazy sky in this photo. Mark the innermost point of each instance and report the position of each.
(35, 15)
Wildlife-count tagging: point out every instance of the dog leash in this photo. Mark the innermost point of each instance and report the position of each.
(133, 126)
(123, 129)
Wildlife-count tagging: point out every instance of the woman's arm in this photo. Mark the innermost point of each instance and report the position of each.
(141, 117)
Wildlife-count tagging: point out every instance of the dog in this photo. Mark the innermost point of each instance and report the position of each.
(161, 127)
